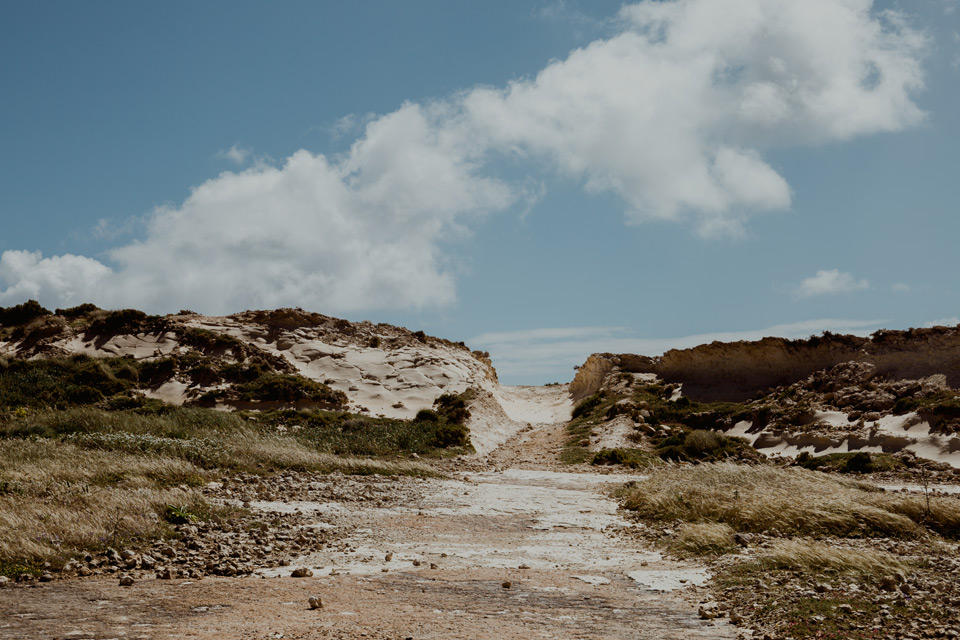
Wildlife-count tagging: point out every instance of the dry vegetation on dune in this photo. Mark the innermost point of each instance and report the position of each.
(791, 501)
(799, 553)
(89, 462)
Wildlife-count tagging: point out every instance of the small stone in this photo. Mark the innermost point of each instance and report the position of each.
(416, 563)
(433, 565)
(888, 583)
(388, 557)
(741, 540)
(507, 584)
(126, 581)
(315, 602)
(148, 563)
(301, 572)
(46, 576)
(164, 574)
(823, 588)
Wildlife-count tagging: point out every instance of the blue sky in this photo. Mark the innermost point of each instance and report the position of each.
(542, 179)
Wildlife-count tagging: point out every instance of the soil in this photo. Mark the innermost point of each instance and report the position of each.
(510, 545)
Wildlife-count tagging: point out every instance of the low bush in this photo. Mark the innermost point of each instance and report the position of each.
(587, 405)
(633, 458)
(275, 387)
(22, 313)
(702, 446)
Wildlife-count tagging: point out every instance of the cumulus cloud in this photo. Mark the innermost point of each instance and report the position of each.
(538, 355)
(830, 282)
(672, 113)
(28, 275)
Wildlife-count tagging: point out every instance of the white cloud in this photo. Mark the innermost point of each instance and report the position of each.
(234, 154)
(900, 287)
(539, 355)
(359, 233)
(60, 279)
(830, 282)
(672, 113)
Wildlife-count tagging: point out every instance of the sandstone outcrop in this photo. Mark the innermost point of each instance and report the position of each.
(737, 371)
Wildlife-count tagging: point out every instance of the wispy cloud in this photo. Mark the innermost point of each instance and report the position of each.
(943, 322)
(234, 154)
(900, 287)
(830, 282)
(540, 355)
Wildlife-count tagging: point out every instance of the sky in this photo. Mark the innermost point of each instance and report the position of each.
(542, 179)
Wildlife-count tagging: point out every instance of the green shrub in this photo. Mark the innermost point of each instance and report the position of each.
(78, 311)
(855, 462)
(22, 313)
(585, 406)
(452, 408)
(701, 446)
(427, 415)
(626, 457)
(451, 435)
(289, 388)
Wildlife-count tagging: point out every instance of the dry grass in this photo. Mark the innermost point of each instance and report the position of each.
(59, 499)
(815, 558)
(789, 501)
(702, 538)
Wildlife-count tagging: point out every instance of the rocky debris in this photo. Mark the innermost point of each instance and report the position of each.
(301, 572)
(243, 541)
(126, 581)
(315, 602)
(919, 604)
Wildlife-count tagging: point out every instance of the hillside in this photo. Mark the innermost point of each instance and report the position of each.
(374, 369)
(894, 392)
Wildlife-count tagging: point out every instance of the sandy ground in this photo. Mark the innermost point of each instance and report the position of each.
(520, 547)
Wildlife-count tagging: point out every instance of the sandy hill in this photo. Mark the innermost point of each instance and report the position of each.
(361, 367)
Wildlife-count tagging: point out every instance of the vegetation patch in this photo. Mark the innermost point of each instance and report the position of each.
(789, 501)
(633, 458)
(857, 462)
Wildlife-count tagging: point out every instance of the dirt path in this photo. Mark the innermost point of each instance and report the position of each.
(521, 551)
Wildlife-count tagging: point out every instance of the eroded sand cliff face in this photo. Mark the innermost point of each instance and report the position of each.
(737, 371)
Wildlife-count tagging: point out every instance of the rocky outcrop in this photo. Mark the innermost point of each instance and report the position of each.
(738, 371)
(591, 374)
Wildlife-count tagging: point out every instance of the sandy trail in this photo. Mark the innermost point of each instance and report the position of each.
(520, 551)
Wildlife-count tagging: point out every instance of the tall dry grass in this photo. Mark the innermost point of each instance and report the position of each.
(57, 499)
(87, 479)
(813, 557)
(792, 501)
